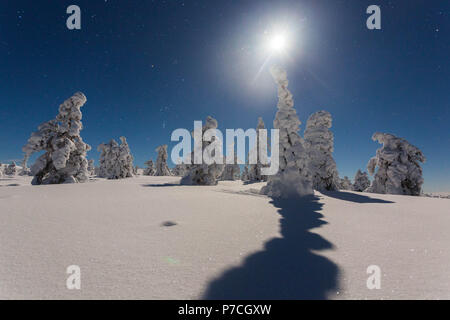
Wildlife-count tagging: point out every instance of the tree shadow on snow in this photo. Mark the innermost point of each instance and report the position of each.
(286, 268)
(353, 197)
(162, 185)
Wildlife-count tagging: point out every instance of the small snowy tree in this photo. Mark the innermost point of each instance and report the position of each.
(245, 176)
(91, 167)
(362, 181)
(254, 170)
(399, 171)
(319, 143)
(293, 177)
(12, 169)
(150, 169)
(231, 171)
(346, 184)
(162, 169)
(204, 174)
(25, 171)
(64, 160)
(179, 170)
(116, 161)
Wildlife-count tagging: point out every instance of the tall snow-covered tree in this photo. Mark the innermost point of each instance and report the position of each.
(64, 160)
(162, 169)
(254, 170)
(319, 143)
(362, 181)
(204, 174)
(293, 177)
(231, 171)
(116, 161)
(150, 168)
(399, 171)
(346, 184)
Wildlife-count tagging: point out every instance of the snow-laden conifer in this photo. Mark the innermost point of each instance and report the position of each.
(162, 169)
(293, 177)
(319, 143)
(399, 171)
(150, 168)
(204, 174)
(116, 161)
(64, 158)
(254, 170)
(231, 171)
(362, 181)
(345, 184)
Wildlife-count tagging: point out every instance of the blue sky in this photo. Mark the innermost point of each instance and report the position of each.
(149, 67)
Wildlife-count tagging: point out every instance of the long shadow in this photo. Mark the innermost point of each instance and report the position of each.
(286, 268)
(353, 197)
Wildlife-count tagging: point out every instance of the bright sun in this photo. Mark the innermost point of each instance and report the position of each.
(278, 43)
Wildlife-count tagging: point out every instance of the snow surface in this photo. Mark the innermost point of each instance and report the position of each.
(148, 237)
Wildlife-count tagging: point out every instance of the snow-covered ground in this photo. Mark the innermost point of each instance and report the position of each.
(148, 237)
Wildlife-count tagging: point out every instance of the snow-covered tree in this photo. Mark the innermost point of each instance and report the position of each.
(319, 143)
(91, 167)
(362, 181)
(150, 168)
(25, 171)
(293, 177)
(162, 169)
(254, 170)
(399, 171)
(345, 184)
(179, 170)
(244, 175)
(231, 171)
(116, 161)
(12, 169)
(204, 174)
(64, 160)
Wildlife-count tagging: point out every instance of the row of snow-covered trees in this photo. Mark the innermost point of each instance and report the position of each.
(305, 163)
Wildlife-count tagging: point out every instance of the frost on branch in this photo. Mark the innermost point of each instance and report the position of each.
(116, 161)
(362, 181)
(293, 177)
(231, 171)
(204, 174)
(254, 170)
(64, 160)
(345, 184)
(162, 169)
(150, 168)
(319, 143)
(399, 171)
